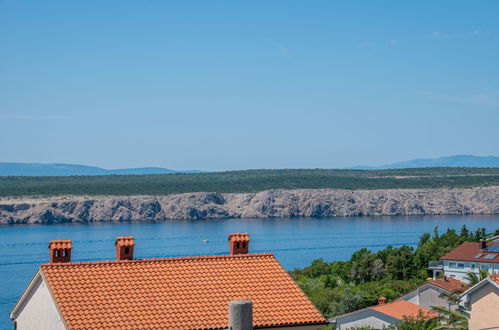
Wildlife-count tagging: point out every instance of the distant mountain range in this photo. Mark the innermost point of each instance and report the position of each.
(449, 161)
(37, 169)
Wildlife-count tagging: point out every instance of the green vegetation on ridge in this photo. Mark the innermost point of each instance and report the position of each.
(344, 286)
(248, 181)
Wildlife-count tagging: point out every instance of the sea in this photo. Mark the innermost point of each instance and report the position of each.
(295, 242)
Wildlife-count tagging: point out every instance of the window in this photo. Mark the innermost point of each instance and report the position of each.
(64, 253)
(460, 265)
(238, 245)
(57, 254)
(452, 265)
(486, 267)
(244, 245)
(127, 250)
(473, 266)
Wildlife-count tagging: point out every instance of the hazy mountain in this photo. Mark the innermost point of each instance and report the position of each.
(449, 161)
(37, 169)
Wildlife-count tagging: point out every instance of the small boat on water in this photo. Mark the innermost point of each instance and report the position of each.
(204, 240)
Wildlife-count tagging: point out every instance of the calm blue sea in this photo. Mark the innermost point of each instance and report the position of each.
(295, 242)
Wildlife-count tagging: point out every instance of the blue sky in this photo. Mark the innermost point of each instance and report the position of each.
(218, 85)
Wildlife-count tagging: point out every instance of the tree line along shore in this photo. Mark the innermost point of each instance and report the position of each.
(248, 181)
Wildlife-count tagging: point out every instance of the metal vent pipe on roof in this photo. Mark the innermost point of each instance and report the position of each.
(241, 315)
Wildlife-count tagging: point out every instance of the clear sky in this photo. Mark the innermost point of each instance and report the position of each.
(217, 85)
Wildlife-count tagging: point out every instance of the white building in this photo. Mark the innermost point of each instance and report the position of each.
(468, 257)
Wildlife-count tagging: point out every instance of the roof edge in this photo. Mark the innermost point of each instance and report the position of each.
(479, 285)
(289, 325)
(427, 283)
(334, 318)
(25, 293)
(100, 262)
(54, 300)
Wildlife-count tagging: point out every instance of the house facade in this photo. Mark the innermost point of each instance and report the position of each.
(381, 316)
(482, 301)
(433, 293)
(468, 257)
(162, 293)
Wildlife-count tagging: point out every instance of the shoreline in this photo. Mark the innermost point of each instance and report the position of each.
(266, 204)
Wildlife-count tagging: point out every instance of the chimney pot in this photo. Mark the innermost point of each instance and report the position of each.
(381, 300)
(483, 244)
(238, 243)
(60, 251)
(124, 247)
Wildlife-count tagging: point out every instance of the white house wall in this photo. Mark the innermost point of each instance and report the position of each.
(459, 273)
(412, 297)
(430, 296)
(427, 296)
(39, 310)
(365, 318)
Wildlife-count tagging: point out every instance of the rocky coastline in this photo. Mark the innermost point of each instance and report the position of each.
(265, 204)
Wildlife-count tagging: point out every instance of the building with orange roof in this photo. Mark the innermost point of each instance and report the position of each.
(162, 293)
(382, 315)
(432, 293)
(468, 257)
(482, 302)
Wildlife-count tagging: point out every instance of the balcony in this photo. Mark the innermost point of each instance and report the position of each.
(435, 265)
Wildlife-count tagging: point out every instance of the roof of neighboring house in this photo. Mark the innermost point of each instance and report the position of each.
(187, 292)
(400, 308)
(450, 284)
(396, 309)
(489, 280)
(469, 251)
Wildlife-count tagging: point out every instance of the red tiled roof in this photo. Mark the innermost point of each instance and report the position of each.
(468, 251)
(179, 293)
(494, 278)
(400, 308)
(450, 284)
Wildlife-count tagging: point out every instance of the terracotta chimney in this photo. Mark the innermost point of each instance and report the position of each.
(381, 300)
(60, 251)
(238, 243)
(124, 248)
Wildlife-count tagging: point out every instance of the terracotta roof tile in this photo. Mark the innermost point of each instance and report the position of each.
(450, 284)
(468, 251)
(60, 244)
(124, 241)
(494, 278)
(400, 308)
(189, 292)
(241, 237)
